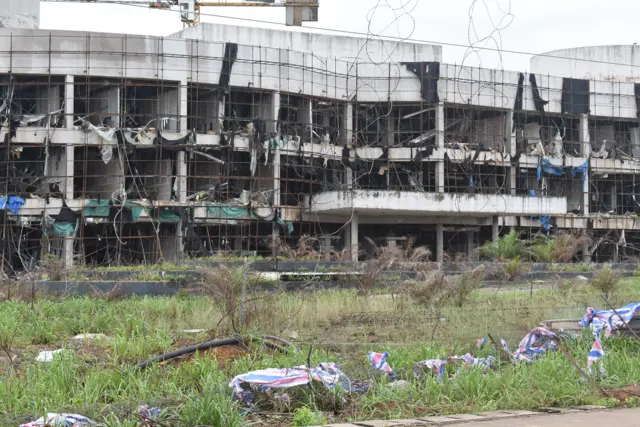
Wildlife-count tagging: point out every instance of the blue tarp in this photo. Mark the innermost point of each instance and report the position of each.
(12, 204)
(581, 169)
(547, 167)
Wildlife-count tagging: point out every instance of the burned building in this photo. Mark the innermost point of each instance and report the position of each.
(122, 149)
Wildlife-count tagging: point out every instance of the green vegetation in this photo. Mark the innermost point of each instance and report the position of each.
(97, 379)
(559, 248)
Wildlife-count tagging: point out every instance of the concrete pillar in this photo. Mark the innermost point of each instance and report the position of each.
(585, 143)
(495, 228)
(68, 177)
(391, 124)
(274, 113)
(440, 128)
(353, 240)
(513, 180)
(184, 102)
(276, 196)
(347, 124)
(439, 242)
(470, 245)
(68, 101)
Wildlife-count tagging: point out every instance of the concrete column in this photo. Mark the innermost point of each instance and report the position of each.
(347, 124)
(274, 113)
(440, 128)
(585, 142)
(391, 124)
(68, 101)
(184, 102)
(68, 176)
(495, 228)
(353, 228)
(276, 196)
(585, 211)
(306, 118)
(439, 242)
(513, 180)
(470, 245)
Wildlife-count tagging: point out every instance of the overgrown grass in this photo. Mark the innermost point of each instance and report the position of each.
(98, 380)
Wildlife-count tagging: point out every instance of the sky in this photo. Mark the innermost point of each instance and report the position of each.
(501, 25)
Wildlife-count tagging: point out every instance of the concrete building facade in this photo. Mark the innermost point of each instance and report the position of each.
(125, 149)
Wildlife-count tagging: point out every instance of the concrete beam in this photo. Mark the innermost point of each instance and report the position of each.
(381, 203)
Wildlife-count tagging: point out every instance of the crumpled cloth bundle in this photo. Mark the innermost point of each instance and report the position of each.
(328, 374)
(379, 362)
(532, 346)
(61, 420)
(438, 366)
(609, 321)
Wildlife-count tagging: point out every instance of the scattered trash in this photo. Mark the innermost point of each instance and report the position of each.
(49, 356)
(328, 374)
(87, 338)
(379, 362)
(609, 321)
(466, 361)
(148, 413)
(61, 420)
(533, 345)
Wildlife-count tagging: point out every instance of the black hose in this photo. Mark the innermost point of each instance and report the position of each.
(187, 350)
(280, 340)
(271, 345)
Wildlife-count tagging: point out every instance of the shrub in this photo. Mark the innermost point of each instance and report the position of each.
(562, 247)
(606, 281)
(505, 248)
(306, 417)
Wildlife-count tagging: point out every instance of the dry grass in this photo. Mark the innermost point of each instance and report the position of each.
(305, 248)
(434, 288)
(386, 258)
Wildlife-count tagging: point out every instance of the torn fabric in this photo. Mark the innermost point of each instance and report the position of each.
(61, 420)
(379, 362)
(328, 374)
(429, 74)
(437, 366)
(99, 208)
(12, 204)
(607, 321)
(230, 57)
(538, 102)
(549, 168)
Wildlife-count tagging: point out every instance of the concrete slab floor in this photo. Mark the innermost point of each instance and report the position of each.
(617, 417)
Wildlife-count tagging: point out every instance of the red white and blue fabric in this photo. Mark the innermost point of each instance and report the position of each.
(467, 361)
(326, 373)
(609, 321)
(379, 362)
(436, 366)
(61, 420)
(534, 344)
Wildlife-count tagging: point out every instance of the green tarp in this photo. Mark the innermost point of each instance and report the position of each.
(97, 208)
(63, 229)
(226, 211)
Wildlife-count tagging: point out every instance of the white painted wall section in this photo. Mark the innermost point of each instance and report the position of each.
(372, 202)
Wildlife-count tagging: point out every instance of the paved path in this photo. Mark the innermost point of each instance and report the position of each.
(617, 418)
